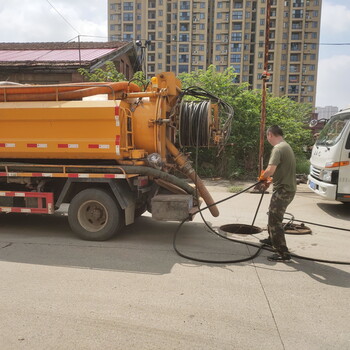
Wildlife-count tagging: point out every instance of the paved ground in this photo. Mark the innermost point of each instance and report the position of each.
(134, 292)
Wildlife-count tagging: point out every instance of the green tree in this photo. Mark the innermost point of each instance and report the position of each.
(108, 73)
(241, 155)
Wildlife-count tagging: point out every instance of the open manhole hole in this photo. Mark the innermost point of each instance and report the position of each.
(241, 229)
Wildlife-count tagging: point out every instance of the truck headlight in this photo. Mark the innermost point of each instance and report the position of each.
(326, 175)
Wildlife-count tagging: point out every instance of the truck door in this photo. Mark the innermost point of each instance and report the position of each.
(344, 168)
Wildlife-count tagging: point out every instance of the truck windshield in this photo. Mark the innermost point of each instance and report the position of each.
(332, 131)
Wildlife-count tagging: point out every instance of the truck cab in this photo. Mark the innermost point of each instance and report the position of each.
(330, 159)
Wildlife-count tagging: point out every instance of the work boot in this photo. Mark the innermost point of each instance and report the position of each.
(284, 257)
(266, 241)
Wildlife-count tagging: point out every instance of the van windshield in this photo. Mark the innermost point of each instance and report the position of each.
(332, 131)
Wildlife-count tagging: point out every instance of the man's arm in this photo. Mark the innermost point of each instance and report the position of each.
(269, 171)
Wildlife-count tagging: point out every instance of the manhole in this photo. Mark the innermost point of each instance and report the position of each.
(241, 229)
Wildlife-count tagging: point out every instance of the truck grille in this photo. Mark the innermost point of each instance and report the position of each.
(315, 172)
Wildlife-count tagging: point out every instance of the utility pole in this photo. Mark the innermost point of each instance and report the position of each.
(265, 78)
(79, 50)
(143, 47)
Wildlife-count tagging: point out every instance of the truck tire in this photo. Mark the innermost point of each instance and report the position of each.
(94, 215)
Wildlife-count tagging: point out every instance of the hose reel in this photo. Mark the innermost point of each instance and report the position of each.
(195, 123)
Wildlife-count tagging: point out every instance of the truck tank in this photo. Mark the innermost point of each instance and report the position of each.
(54, 124)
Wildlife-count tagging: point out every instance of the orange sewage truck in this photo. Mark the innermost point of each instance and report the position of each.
(110, 160)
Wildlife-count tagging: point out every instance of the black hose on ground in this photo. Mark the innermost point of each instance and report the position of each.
(259, 247)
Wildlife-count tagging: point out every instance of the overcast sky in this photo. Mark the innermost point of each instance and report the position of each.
(37, 20)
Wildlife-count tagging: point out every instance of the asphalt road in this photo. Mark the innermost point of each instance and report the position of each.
(134, 292)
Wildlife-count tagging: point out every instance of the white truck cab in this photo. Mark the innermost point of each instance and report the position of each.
(330, 159)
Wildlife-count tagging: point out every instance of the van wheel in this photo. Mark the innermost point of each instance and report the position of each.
(94, 215)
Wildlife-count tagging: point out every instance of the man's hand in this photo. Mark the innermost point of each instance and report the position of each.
(264, 183)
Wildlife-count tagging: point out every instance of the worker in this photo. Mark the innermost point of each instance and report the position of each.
(281, 168)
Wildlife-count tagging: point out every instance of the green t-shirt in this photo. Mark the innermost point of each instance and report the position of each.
(283, 157)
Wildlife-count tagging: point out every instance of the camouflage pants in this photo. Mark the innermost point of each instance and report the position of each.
(279, 202)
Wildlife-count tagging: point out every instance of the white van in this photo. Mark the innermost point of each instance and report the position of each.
(330, 160)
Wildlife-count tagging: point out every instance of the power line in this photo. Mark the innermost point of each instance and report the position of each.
(62, 16)
(230, 42)
(216, 41)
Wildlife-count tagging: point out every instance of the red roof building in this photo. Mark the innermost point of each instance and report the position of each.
(52, 63)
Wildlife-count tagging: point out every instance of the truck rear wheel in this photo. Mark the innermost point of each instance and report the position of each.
(94, 215)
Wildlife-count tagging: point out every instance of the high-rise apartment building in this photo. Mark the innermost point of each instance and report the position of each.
(191, 35)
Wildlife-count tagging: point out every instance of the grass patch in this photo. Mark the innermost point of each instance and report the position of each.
(235, 189)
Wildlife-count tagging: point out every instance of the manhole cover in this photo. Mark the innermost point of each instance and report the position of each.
(241, 229)
(294, 229)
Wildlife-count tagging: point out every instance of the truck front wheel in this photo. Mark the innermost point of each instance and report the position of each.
(94, 215)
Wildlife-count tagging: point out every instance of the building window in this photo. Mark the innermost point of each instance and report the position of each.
(183, 68)
(236, 67)
(236, 47)
(184, 27)
(127, 37)
(235, 58)
(294, 78)
(297, 13)
(184, 5)
(293, 89)
(128, 27)
(128, 16)
(236, 36)
(183, 58)
(128, 6)
(237, 15)
(184, 16)
(295, 46)
(183, 48)
(184, 37)
(294, 57)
